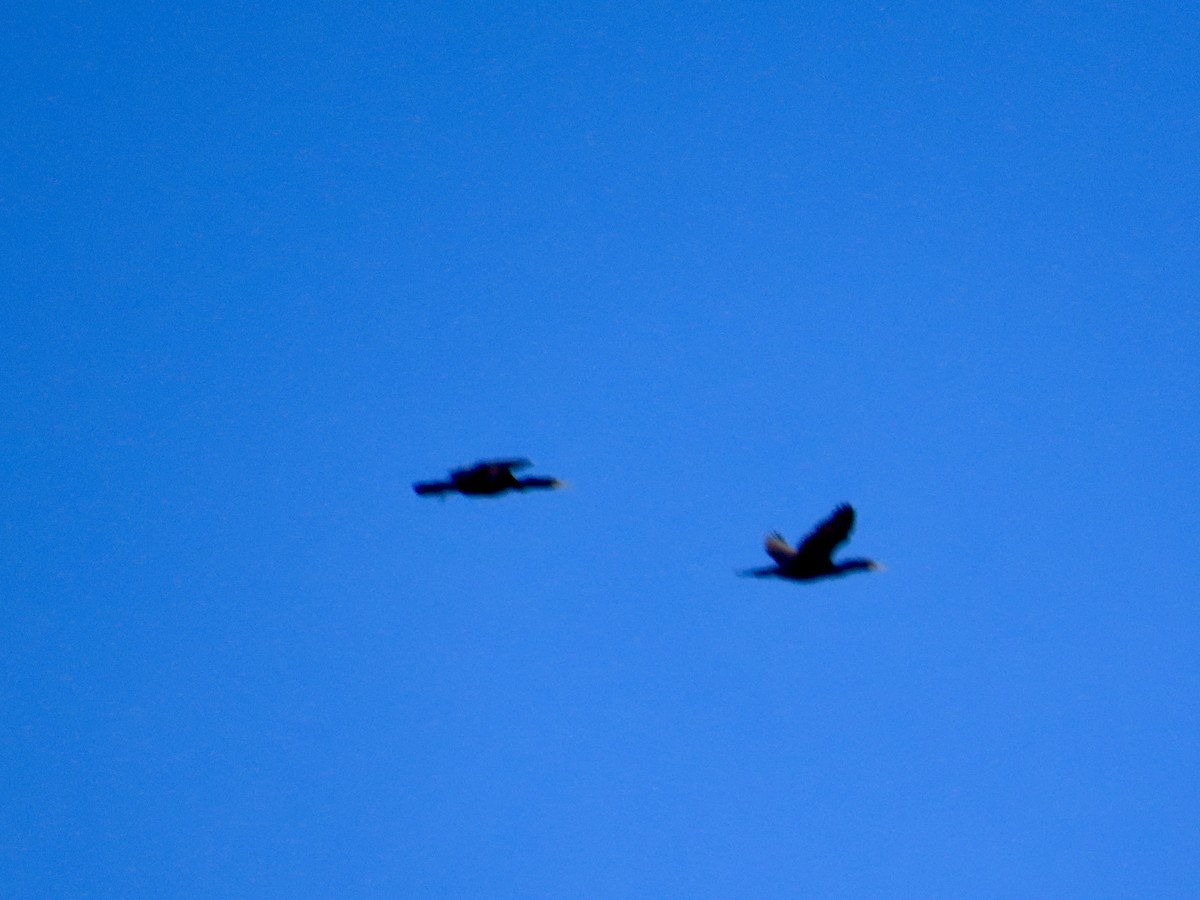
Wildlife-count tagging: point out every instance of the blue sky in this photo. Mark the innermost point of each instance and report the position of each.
(720, 267)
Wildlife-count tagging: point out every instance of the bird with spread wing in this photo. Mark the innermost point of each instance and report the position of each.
(486, 479)
(814, 557)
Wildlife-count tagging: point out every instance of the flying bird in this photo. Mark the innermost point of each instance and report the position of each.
(486, 479)
(814, 557)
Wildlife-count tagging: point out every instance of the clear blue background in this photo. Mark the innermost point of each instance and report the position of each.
(719, 266)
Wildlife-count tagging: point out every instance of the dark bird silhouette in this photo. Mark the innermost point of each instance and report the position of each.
(814, 557)
(486, 479)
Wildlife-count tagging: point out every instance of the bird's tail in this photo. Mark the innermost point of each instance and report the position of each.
(432, 488)
(536, 481)
(764, 572)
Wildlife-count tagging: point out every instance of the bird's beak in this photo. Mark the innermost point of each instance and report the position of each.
(878, 567)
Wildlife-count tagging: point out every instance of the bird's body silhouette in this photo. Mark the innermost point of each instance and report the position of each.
(488, 478)
(814, 557)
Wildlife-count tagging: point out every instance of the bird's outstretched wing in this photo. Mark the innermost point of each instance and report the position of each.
(825, 538)
(512, 465)
(779, 549)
